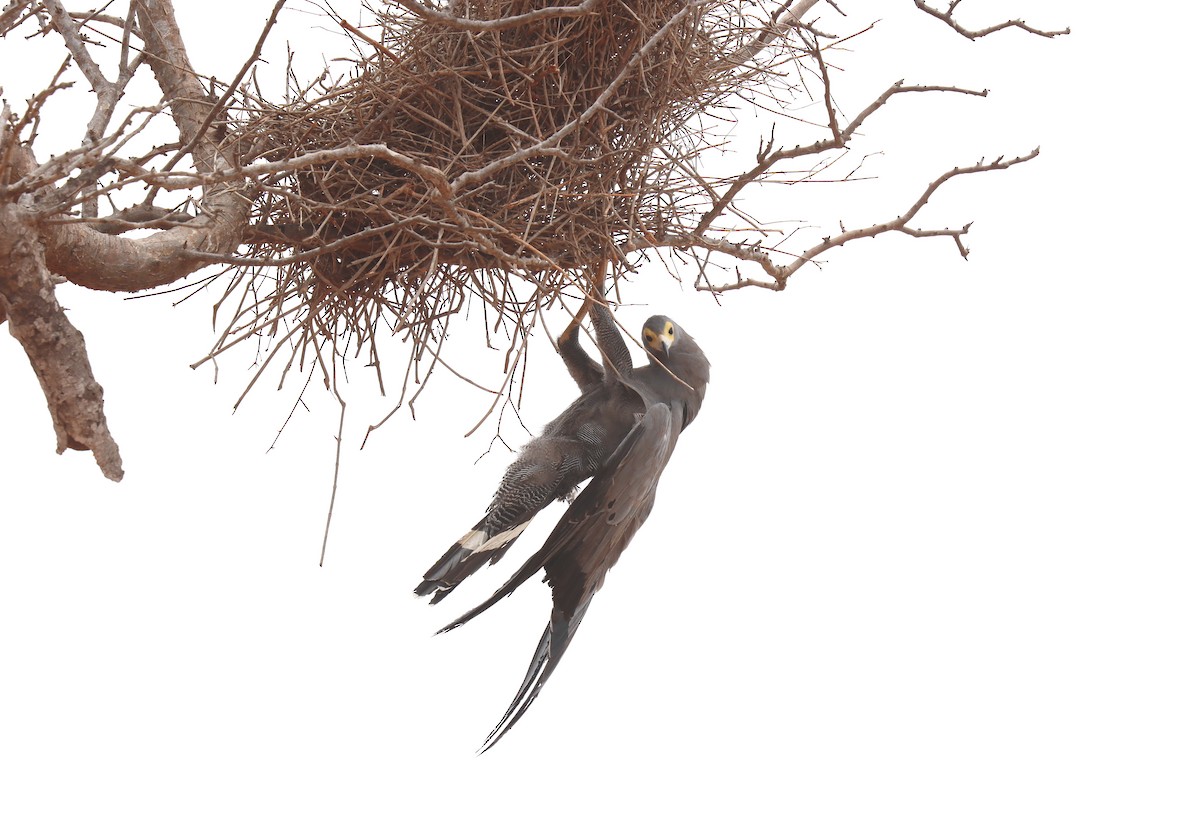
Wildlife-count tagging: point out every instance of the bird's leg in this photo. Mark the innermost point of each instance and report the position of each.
(583, 369)
(593, 294)
(571, 332)
(599, 280)
(608, 336)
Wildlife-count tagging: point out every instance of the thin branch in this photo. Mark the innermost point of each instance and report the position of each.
(14, 14)
(947, 17)
(367, 38)
(337, 466)
(778, 274)
(69, 31)
(137, 217)
(220, 104)
(189, 180)
(785, 19)
(549, 144)
(768, 157)
(502, 23)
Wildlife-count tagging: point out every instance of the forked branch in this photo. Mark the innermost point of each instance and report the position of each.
(947, 17)
(769, 155)
(778, 274)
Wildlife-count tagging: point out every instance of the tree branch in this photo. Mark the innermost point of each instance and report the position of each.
(13, 14)
(114, 263)
(947, 17)
(202, 130)
(55, 348)
(499, 24)
(69, 31)
(768, 156)
(550, 143)
(783, 21)
(108, 92)
(778, 274)
(141, 216)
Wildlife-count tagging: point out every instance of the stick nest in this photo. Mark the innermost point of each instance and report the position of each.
(468, 158)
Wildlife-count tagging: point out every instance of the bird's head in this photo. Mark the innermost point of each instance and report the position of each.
(658, 335)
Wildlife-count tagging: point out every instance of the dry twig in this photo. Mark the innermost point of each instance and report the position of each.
(947, 17)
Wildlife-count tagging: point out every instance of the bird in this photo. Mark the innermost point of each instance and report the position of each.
(571, 449)
(599, 524)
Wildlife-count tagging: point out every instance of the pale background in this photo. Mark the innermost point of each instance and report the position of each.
(930, 547)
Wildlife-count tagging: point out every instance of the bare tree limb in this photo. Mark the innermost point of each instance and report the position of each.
(12, 14)
(769, 157)
(499, 24)
(783, 21)
(108, 92)
(31, 249)
(114, 263)
(181, 85)
(778, 274)
(188, 180)
(947, 17)
(202, 130)
(54, 346)
(69, 31)
(141, 216)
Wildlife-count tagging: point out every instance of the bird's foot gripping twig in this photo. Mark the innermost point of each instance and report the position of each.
(595, 293)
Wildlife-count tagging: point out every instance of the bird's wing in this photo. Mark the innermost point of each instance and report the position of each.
(465, 557)
(587, 542)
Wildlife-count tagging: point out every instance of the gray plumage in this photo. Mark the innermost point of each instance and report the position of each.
(571, 448)
(599, 524)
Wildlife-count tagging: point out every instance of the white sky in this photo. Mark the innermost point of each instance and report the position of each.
(930, 547)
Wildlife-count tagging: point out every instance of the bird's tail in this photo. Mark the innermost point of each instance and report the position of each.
(550, 650)
(466, 557)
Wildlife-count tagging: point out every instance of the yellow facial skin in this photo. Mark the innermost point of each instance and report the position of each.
(659, 341)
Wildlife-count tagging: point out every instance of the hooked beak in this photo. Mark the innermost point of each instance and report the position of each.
(666, 344)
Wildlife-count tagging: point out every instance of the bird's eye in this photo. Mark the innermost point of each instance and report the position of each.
(671, 330)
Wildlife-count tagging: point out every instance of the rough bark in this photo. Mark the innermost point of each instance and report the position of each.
(55, 348)
(33, 247)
